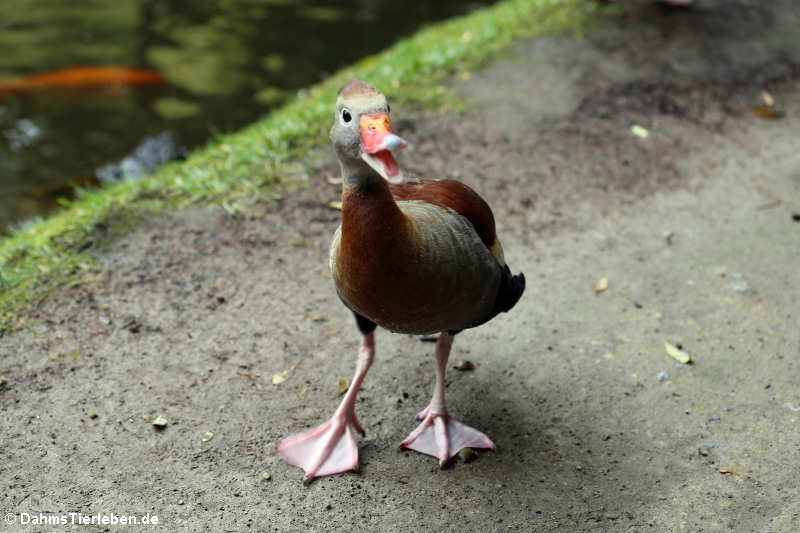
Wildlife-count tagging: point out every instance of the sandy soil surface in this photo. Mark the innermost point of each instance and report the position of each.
(597, 428)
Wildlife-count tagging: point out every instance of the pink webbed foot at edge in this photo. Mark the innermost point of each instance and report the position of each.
(443, 437)
(331, 448)
(324, 450)
(438, 434)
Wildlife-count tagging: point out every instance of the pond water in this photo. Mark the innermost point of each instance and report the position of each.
(226, 63)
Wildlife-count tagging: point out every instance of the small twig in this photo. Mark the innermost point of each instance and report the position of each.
(255, 379)
(774, 201)
(734, 472)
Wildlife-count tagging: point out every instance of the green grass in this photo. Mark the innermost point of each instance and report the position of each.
(236, 168)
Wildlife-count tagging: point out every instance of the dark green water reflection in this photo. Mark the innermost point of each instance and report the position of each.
(228, 62)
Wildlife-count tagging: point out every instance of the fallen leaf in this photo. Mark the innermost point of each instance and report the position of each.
(319, 318)
(465, 366)
(343, 385)
(160, 422)
(335, 205)
(93, 416)
(766, 112)
(767, 98)
(601, 285)
(640, 131)
(280, 377)
(677, 354)
(466, 455)
(208, 436)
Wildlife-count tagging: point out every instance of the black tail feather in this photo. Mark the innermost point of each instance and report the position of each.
(511, 289)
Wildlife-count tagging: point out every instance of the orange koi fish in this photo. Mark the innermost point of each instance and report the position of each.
(83, 78)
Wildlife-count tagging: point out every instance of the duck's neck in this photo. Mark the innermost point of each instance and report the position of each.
(357, 173)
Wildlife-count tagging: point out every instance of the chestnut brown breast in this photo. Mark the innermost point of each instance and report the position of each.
(414, 266)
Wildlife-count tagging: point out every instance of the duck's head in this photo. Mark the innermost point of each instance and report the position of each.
(362, 132)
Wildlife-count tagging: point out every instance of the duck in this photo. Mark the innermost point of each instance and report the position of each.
(414, 256)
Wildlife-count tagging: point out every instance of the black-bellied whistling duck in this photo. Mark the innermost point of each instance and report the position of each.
(412, 257)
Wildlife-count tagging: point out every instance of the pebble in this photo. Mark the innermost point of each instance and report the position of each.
(662, 376)
(714, 418)
(739, 285)
(704, 449)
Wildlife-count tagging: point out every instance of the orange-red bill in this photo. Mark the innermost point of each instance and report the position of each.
(377, 143)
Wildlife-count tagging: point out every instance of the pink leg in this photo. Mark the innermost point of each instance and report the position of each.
(438, 434)
(331, 448)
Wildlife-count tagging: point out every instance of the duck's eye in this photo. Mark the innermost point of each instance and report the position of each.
(346, 117)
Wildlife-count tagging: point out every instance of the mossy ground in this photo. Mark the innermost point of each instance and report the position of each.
(234, 169)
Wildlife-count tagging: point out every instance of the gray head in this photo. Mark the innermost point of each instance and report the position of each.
(362, 134)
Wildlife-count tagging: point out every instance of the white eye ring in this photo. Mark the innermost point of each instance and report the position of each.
(346, 116)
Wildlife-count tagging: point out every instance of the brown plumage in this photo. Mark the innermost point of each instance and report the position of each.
(357, 88)
(454, 195)
(420, 265)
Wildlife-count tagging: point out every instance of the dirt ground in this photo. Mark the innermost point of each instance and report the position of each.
(597, 428)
